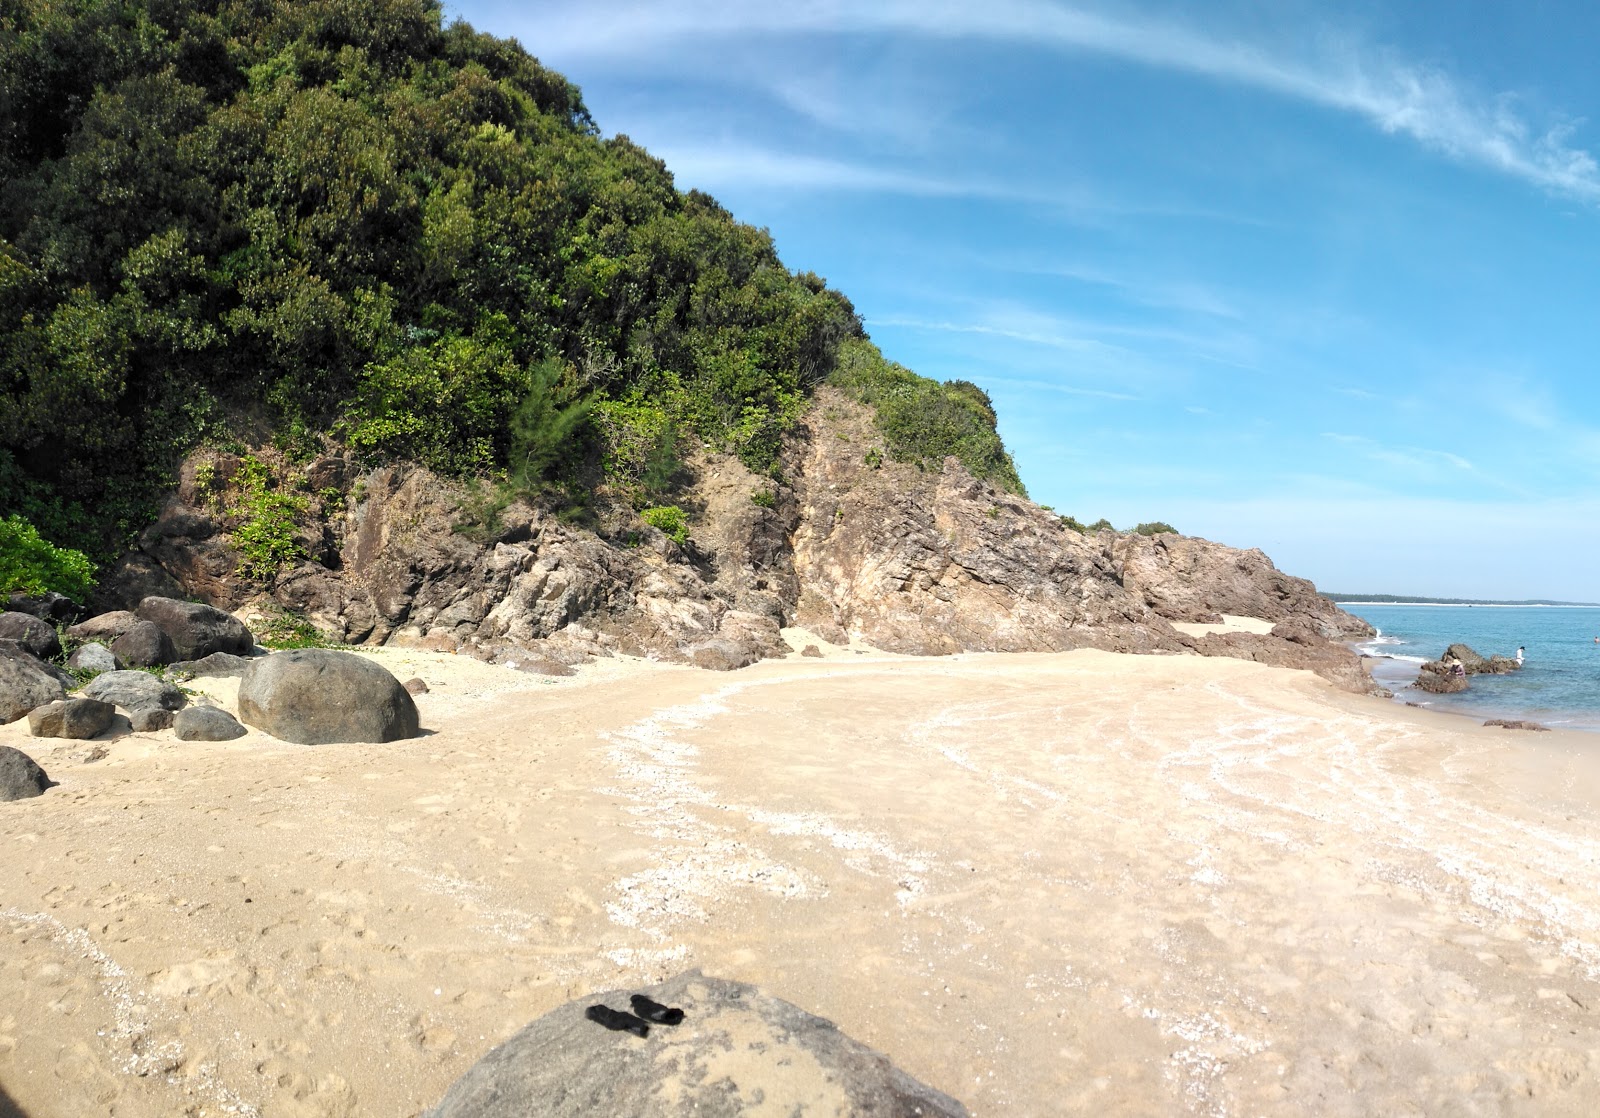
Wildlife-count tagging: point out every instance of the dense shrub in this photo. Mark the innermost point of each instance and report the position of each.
(35, 566)
(670, 520)
(922, 420)
(1154, 528)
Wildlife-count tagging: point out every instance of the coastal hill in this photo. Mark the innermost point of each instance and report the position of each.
(1414, 600)
(351, 319)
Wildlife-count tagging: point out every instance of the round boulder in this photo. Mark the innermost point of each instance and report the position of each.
(20, 777)
(206, 724)
(197, 629)
(32, 634)
(104, 626)
(144, 645)
(314, 696)
(134, 691)
(71, 718)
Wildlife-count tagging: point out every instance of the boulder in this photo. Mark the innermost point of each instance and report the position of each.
(217, 664)
(70, 718)
(104, 626)
(206, 724)
(1517, 724)
(148, 719)
(38, 637)
(1479, 665)
(1436, 678)
(24, 685)
(94, 657)
(144, 645)
(416, 685)
(57, 609)
(738, 1051)
(315, 696)
(197, 629)
(20, 777)
(134, 691)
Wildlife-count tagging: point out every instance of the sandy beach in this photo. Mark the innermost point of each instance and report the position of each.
(1078, 883)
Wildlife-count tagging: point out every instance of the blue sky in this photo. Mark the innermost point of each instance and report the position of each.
(1322, 279)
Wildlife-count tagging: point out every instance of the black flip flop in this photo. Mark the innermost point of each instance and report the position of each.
(616, 1022)
(655, 1011)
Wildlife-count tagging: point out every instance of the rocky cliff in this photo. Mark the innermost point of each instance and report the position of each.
(851, 545)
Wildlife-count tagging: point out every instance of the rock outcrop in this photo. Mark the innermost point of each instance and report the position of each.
(1296, 644)
(20, 776)
(850, 545)
(316, 697)
(1187, 579)
(737, 1051)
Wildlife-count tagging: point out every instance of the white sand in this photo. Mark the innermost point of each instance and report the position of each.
(1231, 623)
(1065, 884)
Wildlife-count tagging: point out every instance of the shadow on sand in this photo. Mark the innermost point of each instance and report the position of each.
(8, 1108)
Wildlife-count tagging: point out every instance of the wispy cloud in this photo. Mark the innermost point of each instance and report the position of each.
(1416, 458)
(1336, 71)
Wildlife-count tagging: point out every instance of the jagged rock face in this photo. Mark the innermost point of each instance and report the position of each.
(1296, 644)
(938, 563)
(908, 560)
(1188, 579)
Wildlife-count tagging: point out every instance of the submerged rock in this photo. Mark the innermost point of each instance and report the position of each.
(736, 1051)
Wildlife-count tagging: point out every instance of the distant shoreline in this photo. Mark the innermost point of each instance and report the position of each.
(1472, 605)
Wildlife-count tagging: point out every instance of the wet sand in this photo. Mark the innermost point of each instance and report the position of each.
(1057, 884)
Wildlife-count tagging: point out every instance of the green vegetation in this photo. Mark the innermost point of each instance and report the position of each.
(266, 538)
(1154, 528)
(345, 220)
(670, 520)
(35, 566)
(764, 498)
(923, 421)
(288, 630)
(1078, 526)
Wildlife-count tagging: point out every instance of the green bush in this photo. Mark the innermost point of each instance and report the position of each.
(764, 498)
(669, 520)
(265, 539)
(923, 421)
(35, 566)
(289, 630)
(1154, 528)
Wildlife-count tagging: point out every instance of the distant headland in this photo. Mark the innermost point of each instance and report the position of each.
(1414, 600)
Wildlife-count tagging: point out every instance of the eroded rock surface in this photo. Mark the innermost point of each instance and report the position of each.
(314, 696)
(738, 1051)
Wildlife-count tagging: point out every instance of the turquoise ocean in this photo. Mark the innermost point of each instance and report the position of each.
(1559, 684)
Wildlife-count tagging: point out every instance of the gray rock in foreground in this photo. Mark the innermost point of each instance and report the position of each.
(206, 724)
(20, 777)
(197, 629)
(71, 718)
(132, 690)
(149, 719)
(314, 696)
(737, 1052)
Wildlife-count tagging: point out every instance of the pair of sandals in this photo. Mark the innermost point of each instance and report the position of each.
(645, 1012)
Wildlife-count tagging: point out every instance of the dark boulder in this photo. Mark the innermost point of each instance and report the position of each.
(25, 684)
(134, 691)
(94, 657)
(1479, 665)
(206, 724)
(37, 637)
(1438, 677)
(315, 696)
(20, 777)
(737, 1052)
(145, 720)
(197, 629)
(71, 718)
(57, 609)
(144, 645)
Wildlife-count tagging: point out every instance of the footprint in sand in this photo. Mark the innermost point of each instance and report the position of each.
(201, 977)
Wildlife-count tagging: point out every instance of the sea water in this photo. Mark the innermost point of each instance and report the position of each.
(1559, 684)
